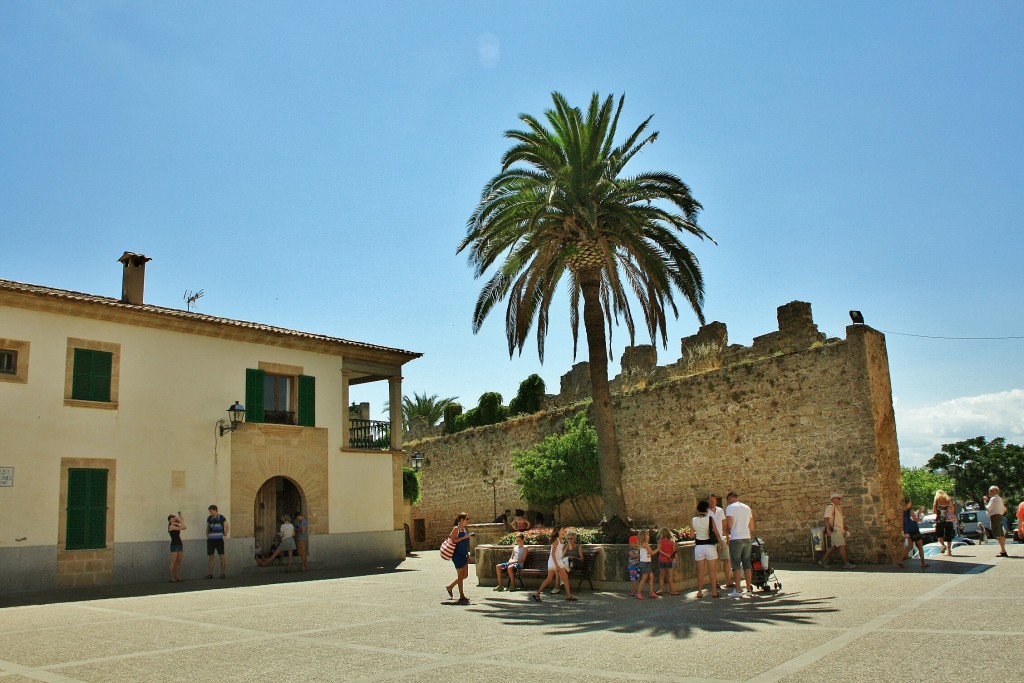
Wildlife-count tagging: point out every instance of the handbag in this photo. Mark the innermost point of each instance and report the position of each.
(447, 549)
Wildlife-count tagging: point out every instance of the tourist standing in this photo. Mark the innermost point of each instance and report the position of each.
(460, 558)
(705, 549)
(302, 539)
(945, 520)
(217, 530)
(287, 544)
(666, 561)
(718, 514)
(633, 566)
(835, 527)
(175, 525)
(646, 568)
(739, 524)
(912, 533)
(1020, 522)
(996, 512)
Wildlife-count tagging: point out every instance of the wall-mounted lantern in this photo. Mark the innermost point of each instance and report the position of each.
(236, 412)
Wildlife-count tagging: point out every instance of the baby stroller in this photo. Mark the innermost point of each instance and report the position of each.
(763, 574)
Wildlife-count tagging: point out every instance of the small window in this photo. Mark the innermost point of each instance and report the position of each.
(277, 399)
(87, 509)
(91, 378)
(280, 399)
(8, 362)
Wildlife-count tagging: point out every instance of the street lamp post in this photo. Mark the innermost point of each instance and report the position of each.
(493, 483)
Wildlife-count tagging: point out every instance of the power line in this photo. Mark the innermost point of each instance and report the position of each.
(929, 336)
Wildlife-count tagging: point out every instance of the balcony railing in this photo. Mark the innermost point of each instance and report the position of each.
(373, 435)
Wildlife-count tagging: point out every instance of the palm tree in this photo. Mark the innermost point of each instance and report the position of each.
(561, 207)
(430, 407)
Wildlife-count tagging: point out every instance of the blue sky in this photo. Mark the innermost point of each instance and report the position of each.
(313, 165)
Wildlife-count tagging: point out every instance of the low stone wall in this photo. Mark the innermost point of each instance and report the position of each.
(486, 534)
(610, 570)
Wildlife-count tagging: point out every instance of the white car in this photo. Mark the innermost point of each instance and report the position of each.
(927, 528)
(970, 521)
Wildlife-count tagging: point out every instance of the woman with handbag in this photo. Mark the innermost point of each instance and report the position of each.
(707, 537)
(459, 537)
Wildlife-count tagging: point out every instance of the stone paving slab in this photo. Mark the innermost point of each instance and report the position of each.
(835, 625)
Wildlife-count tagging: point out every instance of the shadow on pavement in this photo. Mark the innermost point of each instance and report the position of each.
(936, 565)
(619, 613)
(133, 590)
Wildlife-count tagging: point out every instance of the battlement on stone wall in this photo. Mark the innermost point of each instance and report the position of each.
(707, 350)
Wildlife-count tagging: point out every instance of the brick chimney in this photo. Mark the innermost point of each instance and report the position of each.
(133, 281)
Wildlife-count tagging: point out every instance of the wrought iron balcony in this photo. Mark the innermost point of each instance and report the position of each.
(372, 435)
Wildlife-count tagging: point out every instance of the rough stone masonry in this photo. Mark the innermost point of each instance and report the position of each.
(784, 422)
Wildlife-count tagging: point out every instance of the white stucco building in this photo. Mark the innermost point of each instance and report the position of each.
(111, 415)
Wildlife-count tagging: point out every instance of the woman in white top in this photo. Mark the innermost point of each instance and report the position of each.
(705, 550)
(286, 545)
(557, 564)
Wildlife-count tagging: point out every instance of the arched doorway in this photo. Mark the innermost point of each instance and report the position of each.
(278, 496)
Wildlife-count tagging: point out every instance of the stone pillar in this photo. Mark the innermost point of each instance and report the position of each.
(346, 424)
(398, 500)
(395, 405)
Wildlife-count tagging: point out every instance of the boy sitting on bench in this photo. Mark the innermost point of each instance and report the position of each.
(514, 564)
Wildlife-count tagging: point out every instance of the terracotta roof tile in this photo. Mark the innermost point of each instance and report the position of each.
(68, 295)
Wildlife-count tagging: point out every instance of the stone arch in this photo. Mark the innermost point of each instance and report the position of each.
(261, 452)
(277, 496)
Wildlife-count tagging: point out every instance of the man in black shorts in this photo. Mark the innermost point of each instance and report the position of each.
(216, 532)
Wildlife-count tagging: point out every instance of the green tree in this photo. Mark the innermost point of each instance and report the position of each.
(530, 398)
(411, 485)
(561, 208)
(920, 484)
(430, 407)
(561, 468)
(976, 464)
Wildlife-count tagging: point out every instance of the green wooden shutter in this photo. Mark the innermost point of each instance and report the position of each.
(90, 376)
(102, 365)
(253, 395)
(307, 401)
(81, 375)
(87, 509)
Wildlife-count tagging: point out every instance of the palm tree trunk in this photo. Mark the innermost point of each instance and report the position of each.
(601, 409)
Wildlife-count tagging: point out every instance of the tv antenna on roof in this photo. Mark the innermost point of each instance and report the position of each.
(191, 298)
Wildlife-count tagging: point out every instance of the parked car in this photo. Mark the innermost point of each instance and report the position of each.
(970, 521)
(927, 527)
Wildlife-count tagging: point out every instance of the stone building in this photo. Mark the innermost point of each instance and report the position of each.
(112, 413)
(784, 422)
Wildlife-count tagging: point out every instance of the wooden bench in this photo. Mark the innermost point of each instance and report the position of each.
(536, 564)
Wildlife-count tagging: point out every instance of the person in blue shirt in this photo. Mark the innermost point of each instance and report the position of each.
(460, 558)
(912, 533)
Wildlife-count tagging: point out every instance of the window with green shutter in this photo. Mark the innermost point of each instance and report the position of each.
(90, 380)
(254, 395)
(87, 509)
(307, 401)
(280, 399)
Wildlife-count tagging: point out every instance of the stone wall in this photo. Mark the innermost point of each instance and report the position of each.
(784, 423)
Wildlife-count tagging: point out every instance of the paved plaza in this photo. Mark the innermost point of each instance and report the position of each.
(960, 620)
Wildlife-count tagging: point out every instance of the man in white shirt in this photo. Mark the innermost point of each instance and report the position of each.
(718, 514)
(996, 510)
(739, 524)
(835, 527)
